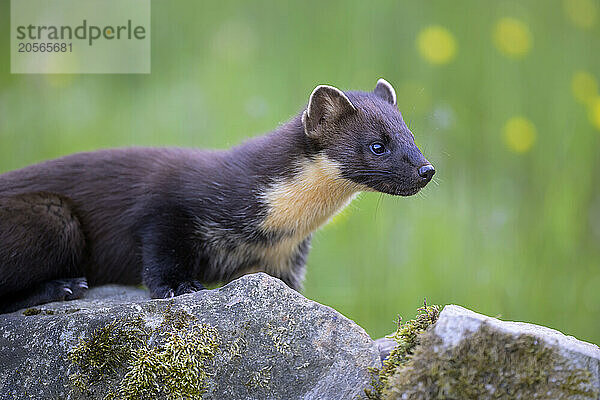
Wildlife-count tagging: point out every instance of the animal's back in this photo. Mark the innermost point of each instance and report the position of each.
(108, 189)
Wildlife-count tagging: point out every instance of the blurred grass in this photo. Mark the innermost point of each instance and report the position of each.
(503, 232)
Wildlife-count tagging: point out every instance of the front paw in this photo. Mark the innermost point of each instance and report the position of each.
(168, 291)
(66, 289)
(188, 287)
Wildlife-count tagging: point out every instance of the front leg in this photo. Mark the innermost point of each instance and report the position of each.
(168, 255)
(294, 271)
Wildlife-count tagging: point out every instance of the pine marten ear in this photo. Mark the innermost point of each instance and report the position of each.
(326, 103)
(384, 90)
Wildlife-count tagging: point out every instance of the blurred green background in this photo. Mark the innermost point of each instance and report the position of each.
(501, 95)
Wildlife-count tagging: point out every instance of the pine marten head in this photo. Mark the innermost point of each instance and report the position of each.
(357, 141)
(365, 135)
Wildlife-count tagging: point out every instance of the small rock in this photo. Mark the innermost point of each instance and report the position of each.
(471, 356)
(385, 346)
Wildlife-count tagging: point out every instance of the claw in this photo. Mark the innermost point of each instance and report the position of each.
(69, 291)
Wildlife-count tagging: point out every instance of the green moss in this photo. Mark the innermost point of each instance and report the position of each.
(237, 345)
(282, 336)
(489, 365)
(176, 369)
(37, 311)
(173, 319)
(407, 337)
(105, 352)
(236, 348)
(171, 361)
(260, 378)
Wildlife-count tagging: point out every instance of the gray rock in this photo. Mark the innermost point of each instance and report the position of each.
(252, 339)
(471, 356)
(456, 323)
(385, 346)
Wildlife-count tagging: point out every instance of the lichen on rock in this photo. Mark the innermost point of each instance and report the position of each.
(488, 365)
(104, 352)
(175, 366)
(407, 337)
(459, 354)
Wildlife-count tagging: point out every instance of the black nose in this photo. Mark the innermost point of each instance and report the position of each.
(426, 172)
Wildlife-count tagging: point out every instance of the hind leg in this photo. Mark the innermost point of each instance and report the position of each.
(41, 250)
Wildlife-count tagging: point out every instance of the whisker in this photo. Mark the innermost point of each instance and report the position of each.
(379, 198)
(378, 171)
(371, 175)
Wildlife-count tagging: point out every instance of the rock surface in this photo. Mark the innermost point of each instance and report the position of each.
(385, 346)
(457, 323)
(252, 339)
(471, 356)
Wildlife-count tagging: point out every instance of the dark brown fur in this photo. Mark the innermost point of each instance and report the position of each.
(173, 218)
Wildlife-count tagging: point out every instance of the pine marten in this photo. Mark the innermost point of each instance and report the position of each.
(175, 219)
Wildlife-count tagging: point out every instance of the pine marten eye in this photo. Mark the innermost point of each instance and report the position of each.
(377, 148)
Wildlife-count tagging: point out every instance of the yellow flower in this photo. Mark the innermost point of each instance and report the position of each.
(584, 87)
(436, 45)
(512, 37)
(594, 112)
(519, 134)
(582, 13)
